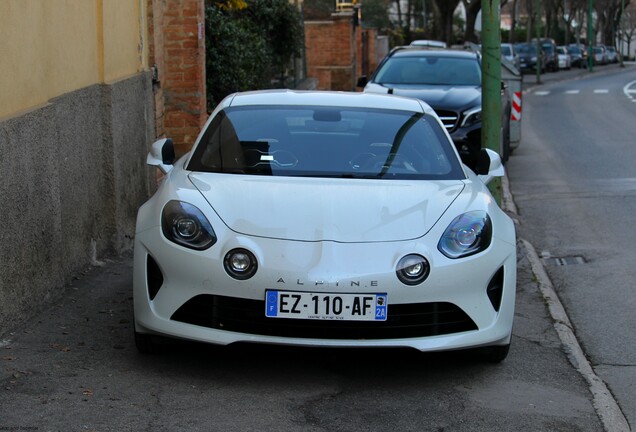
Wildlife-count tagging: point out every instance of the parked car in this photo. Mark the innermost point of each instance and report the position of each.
(509, 52)
(578, 52)
(450, 82)
(600, 55)
(529, 60)
(612, 55)
(549, 48)
(324, 219)
(565, 61)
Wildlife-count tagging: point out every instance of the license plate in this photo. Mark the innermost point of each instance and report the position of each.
(326, 306)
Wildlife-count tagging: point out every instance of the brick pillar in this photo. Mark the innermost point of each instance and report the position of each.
(178, 34)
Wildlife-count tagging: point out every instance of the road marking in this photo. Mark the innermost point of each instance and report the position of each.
(606, 406)
(628, 91)
(601, 91)
(572, 91)
(542, 93)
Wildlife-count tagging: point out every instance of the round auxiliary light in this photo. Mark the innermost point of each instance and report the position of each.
(412, 269)
(240, 264)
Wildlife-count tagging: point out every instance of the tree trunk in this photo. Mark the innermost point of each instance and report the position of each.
(446, 10)
(472, 10)
(513, 23)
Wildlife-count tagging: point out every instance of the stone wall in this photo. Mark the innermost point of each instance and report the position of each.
(72, 176)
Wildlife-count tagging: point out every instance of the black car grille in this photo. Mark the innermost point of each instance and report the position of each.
(248, 316)
(449, 118)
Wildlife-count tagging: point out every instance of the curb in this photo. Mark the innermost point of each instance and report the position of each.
(605, 404)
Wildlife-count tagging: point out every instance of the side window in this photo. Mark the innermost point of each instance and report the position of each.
(220, 148)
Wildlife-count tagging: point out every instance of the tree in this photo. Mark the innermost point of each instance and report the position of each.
(445, 10)
(279, 23)
(318, 9)
(628, 29)
(472, 10)
(247, 47)
(375, 14)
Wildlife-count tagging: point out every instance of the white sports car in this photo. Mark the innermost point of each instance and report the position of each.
(325, 219)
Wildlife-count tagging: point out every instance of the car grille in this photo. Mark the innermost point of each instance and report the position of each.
(449, 118)
(248, 316)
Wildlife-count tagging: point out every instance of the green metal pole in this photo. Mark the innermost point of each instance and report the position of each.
(491, 85)
(590, 37)
(537, 26)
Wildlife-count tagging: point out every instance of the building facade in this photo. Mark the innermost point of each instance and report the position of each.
(76, 121)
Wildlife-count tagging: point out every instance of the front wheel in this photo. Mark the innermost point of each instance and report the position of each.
(145, 344)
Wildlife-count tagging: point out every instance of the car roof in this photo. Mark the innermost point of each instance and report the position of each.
(428, 43)
(328, 98)
(414, 51)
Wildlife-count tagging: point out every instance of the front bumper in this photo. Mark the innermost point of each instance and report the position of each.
(194, 298)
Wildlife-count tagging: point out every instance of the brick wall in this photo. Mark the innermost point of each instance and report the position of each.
(337, 53)
(331, 53)
(178, 51)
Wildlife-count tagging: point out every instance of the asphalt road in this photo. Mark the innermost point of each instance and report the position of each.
(574, 183)
(72, 366)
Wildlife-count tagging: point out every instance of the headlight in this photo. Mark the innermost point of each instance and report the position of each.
(534, 59)
(184, 224)
(472, 117)
(468, 234)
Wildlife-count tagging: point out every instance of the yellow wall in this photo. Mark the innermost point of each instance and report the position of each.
(51, 47)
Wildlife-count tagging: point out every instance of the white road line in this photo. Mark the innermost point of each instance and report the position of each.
(628, 91)
(601, 91)
(542, 93)
(572, 91)
(606, 406)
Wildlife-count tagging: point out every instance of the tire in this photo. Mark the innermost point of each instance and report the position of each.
(145, 344)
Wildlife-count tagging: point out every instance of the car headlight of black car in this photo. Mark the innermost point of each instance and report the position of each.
(471, 117)
(185, 225)
(467, 234)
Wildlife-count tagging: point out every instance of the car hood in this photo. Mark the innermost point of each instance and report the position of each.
(527, 56)
(314, 209)
(439, 97)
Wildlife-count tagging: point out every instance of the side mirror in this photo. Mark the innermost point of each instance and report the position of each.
(489, 165)
(362, 81)
(162, 155)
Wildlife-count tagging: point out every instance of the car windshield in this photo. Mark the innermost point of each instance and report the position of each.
(527, 49)
(326, 142)
(430, 70)
(506, 50)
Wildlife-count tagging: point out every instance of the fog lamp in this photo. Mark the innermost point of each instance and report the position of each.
(240, 264)
(412, 269)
